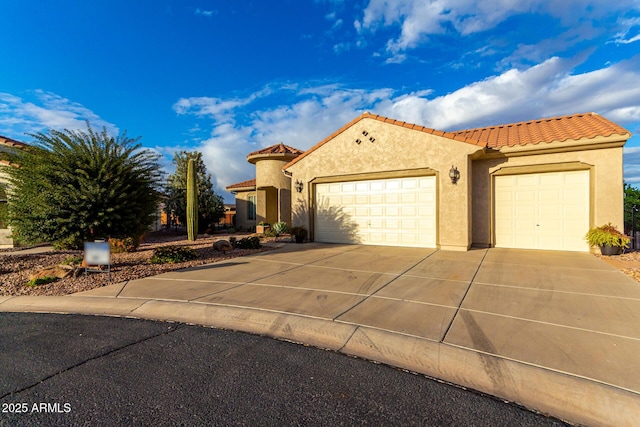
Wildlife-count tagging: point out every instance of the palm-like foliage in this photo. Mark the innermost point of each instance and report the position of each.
(74, 186)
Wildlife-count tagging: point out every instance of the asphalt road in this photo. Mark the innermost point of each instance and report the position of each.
(100, 371)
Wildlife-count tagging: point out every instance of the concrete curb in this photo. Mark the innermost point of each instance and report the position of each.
(569, 397)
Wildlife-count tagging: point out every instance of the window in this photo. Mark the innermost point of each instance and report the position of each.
(251, 208)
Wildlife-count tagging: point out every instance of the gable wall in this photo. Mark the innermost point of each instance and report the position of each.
(396, 151)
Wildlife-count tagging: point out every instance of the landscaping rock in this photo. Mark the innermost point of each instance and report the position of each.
(223, 246)
(58, 271)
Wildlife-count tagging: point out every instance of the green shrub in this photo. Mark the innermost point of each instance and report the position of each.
(249, 243)
(41, 281)
(127, 244)
(270, 232)
(172, 254)
(607, 235)
(73, 259)
(280, 228)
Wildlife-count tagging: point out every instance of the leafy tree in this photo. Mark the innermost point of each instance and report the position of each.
(631, 199)
(74, 186)
(210, 204)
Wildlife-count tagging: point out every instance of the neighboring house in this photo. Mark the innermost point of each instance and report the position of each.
(539, 184)
(267, 198)
(229, 215)
(5, 232)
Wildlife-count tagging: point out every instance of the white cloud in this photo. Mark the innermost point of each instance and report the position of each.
(307, 114)
(207, 13)
(628, 27)
(418, 19)
(43, 111)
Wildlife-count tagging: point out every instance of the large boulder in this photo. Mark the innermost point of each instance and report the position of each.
(223, 246)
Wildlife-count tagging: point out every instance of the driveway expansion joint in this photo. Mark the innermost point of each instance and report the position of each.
(453, 318)
(385, 285)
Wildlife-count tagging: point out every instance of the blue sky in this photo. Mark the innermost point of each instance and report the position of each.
(230, 77)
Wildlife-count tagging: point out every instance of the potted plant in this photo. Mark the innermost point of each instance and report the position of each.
(299, 233)
(262, 227)
(610, 240)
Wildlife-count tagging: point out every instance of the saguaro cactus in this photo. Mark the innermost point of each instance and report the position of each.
(192, 202)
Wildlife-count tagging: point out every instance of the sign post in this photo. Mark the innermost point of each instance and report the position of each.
(97, 254)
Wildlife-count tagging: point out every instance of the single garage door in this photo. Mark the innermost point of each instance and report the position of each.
(542, 211)
(392, 212)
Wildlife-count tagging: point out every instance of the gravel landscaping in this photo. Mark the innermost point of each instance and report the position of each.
(15, 268)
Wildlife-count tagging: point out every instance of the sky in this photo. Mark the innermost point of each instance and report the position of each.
(230, 77)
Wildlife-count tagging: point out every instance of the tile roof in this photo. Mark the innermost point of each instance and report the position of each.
(11, 142)
(277, 149)
(244, 184)
(574, 127)
(563, 128)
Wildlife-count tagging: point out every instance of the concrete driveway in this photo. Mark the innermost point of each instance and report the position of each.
(554, 331)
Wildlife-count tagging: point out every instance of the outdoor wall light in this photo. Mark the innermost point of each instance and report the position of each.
(454, 174)
(299, 186)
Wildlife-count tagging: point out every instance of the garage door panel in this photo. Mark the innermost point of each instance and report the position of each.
(399, 211)
(552, 212)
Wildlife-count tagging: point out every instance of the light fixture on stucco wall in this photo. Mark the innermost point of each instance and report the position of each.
(454, 174)
(299, 184)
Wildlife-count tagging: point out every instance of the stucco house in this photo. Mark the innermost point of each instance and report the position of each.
(539, 184)
(5, 144)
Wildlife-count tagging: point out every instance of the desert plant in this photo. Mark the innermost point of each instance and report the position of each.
(249, 243)
(210, 204)
(607, 235)
(126, 244)
(76, 186)
(173, 254)
(280, 228)
(41, 281)
(72, 260)
(192, 202)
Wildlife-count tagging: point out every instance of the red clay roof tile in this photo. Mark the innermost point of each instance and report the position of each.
(11, 142)
(244, 184)
(277, 149)
(563, 128)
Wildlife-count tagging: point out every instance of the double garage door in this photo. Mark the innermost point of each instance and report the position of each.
(542, 211)
(391, 212)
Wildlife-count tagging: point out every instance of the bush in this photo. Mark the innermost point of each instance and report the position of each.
(127, 244)
(72, 260)
(41, 281)
(249, 243)
(607, 235)
(76, 186)
(280, 228)
(173, 254)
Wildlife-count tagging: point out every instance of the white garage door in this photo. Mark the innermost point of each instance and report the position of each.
(542, 211)
(392, 212)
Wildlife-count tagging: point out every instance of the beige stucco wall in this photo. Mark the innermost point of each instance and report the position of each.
(274, 189)
(606, 177)
(242, 210)
(395, 151)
